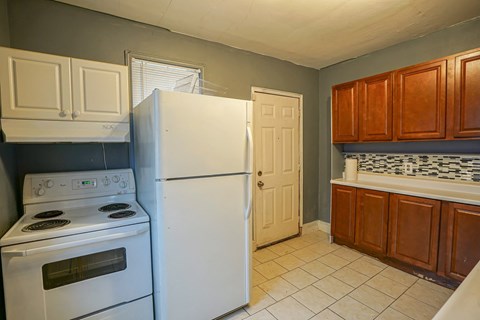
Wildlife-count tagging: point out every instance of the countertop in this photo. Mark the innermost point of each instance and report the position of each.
(464, 303)
(454, 191)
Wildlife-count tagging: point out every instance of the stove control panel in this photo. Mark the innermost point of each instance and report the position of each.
(84, 184)
(76, 185)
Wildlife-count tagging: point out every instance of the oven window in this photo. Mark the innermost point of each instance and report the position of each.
(61, 273)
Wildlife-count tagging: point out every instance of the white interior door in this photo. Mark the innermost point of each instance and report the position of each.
(277, 167)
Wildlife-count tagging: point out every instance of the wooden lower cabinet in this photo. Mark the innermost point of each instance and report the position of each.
(439, 237)
(343, 213)
(372, 220)
(462, 240)
(414, 225)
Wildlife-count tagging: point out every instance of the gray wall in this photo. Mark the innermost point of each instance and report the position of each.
(455, 39)
(53, 27)
(4, 28)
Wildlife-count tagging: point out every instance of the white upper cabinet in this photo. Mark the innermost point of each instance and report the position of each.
(99, 91)
(34, 85)
(39, 86)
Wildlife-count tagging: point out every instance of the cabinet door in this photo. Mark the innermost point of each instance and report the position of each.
(100, 91)
(345, 112)
(375, 100)
(463, 240)
(467, 95)
(34, 85)
(420, 101)
(343, 213)
(372, 220)
(413, 230)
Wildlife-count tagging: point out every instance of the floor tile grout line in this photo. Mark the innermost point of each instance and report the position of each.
(315, 313)
(335, 313)
(428, 304)
(362, 303)
(394, 299)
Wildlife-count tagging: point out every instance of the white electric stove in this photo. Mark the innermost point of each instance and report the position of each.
(81, 249)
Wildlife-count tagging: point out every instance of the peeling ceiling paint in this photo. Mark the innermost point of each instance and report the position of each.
(313, 33)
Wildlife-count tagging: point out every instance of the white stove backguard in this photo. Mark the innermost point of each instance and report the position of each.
(61, 186)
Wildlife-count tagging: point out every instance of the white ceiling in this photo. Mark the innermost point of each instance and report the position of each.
(314, 33)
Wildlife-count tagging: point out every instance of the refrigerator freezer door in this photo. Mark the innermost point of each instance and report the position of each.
(201, 247)
(200, 135)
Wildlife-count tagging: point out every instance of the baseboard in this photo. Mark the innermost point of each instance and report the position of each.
(315, 226)
(310, 227)
(324, 226)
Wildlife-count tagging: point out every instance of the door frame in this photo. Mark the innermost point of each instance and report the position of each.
(299, 96)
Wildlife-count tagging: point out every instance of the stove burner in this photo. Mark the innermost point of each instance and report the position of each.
(122, 214)
(48, 214)
(47, 224)
(114, 207)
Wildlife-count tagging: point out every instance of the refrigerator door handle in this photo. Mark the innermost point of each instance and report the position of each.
(250, 149)
(249, 192)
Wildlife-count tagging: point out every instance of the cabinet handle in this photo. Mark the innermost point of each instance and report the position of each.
(75, 114)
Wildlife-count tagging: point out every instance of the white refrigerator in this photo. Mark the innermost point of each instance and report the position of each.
(193, 160)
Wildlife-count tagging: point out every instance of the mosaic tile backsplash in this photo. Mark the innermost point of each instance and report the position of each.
(451, 167)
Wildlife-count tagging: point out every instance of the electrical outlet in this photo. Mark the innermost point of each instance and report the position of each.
(408, 168)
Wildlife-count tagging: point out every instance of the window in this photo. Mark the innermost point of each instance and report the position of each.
(61, 273)
(148, 75)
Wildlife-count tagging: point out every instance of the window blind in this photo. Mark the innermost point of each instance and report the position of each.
(148, 75)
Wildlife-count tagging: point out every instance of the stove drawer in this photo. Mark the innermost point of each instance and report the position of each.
(73, 276)
(138, 309)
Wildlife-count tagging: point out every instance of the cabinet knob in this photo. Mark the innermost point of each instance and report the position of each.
(75, 114)
(63, 113)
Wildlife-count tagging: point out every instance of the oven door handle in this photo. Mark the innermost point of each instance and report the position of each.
(72, 244)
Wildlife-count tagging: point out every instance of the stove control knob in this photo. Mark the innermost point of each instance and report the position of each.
(49, 183)
(40, 192)
(123, 184)
(115, 179)
(106, 181)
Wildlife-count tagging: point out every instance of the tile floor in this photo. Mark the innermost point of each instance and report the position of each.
(309, 278)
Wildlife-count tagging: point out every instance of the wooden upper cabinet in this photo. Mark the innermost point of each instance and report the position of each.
(414, 225)
(345, 112)
(467, 96)
(343, 213)
(463, 240)
(420, 101)
(375, 101)
(372, 220)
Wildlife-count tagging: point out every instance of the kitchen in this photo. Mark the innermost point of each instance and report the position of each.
(52, 27)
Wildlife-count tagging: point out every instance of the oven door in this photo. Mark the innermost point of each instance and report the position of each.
(74, 276)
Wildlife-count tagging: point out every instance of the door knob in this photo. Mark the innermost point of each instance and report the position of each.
(260, 184)
(259, 173)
